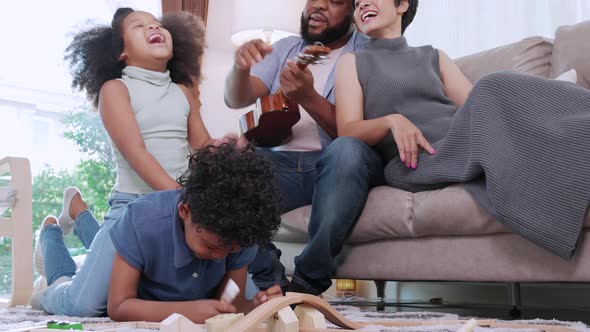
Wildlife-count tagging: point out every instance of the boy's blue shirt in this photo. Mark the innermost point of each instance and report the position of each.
(149, 237)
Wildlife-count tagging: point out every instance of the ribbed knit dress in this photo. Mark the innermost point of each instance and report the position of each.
(520, 144)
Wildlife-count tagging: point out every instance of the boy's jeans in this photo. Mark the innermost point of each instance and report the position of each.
(86, 294)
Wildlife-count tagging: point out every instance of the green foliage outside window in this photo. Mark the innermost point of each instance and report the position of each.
(94, 175)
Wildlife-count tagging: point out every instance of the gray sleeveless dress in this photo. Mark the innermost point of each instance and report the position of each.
(520, 144)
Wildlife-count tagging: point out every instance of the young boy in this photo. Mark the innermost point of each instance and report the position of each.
(176, 250)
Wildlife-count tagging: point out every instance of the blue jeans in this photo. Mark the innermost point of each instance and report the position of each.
(86, 294)
(336, 182)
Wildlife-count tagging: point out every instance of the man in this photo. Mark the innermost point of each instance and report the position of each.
(334, 177)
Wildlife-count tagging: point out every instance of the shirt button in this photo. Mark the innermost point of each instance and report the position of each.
(195, 275)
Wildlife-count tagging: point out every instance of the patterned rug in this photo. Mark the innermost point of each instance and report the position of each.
(359, 315)
(22, 317)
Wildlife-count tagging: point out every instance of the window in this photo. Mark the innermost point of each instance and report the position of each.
(35, 97)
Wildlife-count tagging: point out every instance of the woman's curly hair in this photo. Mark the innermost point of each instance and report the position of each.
(232, 193)
(93, 54)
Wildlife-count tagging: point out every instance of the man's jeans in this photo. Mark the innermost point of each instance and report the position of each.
(336, 183)
(86, 294)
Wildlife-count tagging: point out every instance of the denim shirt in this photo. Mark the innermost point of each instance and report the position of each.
(149, 237)
(269, 69)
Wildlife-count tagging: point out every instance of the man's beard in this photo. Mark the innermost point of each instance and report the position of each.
(329, 35)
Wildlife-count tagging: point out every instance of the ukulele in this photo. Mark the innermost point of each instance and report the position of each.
(270, 123)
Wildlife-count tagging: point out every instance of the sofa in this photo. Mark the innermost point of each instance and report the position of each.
(443, 235)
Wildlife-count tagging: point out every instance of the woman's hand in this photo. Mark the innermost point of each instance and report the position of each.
(408, 139)
(263, 296)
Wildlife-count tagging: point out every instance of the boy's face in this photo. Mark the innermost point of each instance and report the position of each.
(203, 243)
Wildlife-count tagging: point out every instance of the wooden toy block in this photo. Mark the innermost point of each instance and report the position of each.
(178, 323)
(284, 320)
(469, 326)
(221, 323)
(310, 317)
(171, 323)
(230, 292)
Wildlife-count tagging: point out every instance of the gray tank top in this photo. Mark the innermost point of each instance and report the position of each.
(398, 79)
(161, 111)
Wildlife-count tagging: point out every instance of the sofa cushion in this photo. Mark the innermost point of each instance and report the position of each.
(392, 213)
(531, 56)
(571, 50)
(569, 76)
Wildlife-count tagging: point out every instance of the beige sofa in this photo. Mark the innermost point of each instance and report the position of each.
(443, 235)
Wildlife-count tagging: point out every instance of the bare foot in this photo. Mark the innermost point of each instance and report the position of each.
(77, 205)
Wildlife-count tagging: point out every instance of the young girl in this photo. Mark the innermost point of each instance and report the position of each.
(141, 74)
(518, 142)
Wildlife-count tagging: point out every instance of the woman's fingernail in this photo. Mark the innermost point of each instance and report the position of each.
(432, 151)
(403, 159)
(414, 166)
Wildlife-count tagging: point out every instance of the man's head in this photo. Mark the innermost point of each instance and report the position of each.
(326, 21)
(228, 202)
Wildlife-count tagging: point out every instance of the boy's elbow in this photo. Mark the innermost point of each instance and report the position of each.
(114, 312)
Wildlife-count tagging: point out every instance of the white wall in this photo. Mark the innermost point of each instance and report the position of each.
(462, 27)
(218, 61)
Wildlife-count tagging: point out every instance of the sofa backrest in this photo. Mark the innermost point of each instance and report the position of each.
(531, 56)
(536, 56)
(572, 50)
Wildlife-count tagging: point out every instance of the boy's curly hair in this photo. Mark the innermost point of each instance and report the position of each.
(232, 194)
(93, 54)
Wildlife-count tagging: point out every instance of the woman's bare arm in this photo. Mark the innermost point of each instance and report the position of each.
(349, 106)
(457, 86)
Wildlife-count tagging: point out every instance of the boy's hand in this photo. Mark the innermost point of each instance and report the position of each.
(205, 309)
(265, 295)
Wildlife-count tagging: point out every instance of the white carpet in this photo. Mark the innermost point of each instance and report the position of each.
(14, 318)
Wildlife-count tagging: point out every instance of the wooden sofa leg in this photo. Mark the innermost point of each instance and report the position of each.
(380, 284)
(515, 302)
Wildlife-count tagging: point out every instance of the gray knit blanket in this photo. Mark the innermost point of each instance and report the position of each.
(521, 145)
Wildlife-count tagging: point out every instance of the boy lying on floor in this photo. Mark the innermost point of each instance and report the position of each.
(176, 250)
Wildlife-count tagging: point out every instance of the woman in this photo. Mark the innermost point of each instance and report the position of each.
(519, 143)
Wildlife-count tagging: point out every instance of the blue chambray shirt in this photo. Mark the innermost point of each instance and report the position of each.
(150, 238)
(269, 69)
